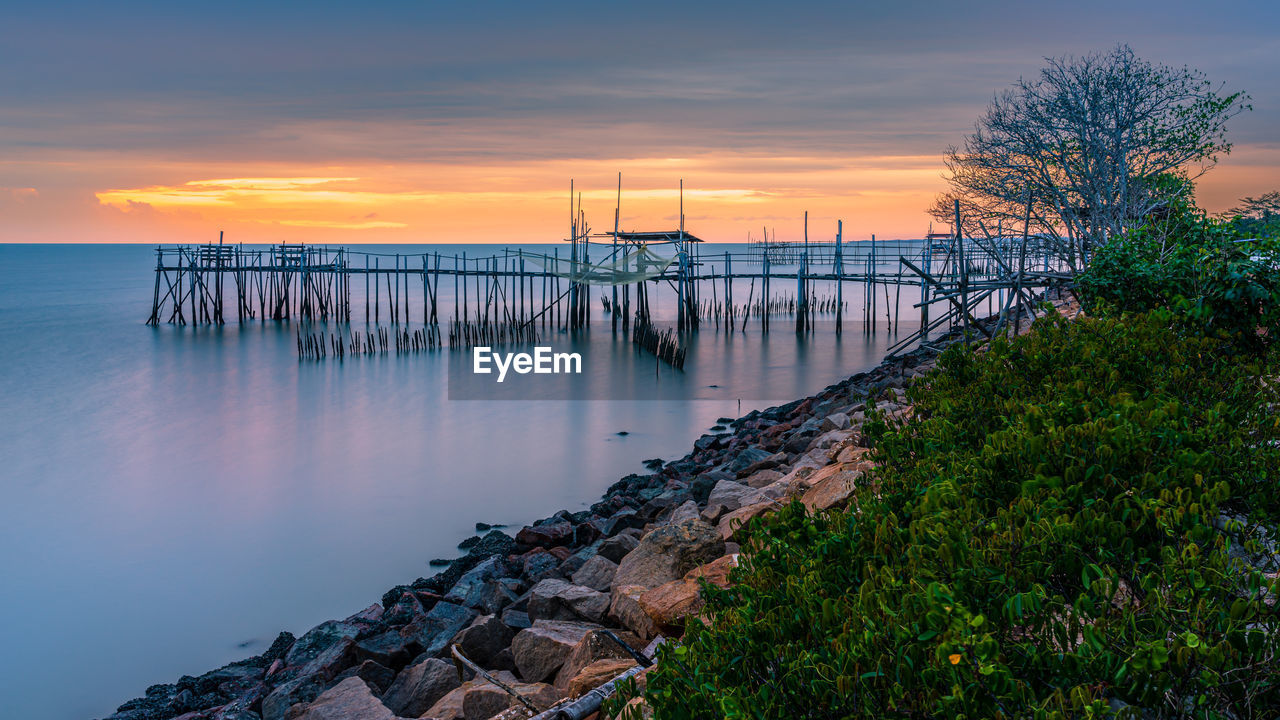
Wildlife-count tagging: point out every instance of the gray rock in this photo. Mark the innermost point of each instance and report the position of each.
(379, 677)
(480, 587)
(317, 640)
(732, 495)
(617, 547)
(597, 573)
(746, 458)
(553, 599)
(420, 686)
(433, 631)
(484, 638)
(286, 695)
(835, 421)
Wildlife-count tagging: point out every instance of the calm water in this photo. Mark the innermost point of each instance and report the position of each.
(173, 497)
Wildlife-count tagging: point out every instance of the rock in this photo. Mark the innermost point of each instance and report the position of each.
(830, 486)
(379, 677)
(761, 478)
(668, 604)
(596, 674)
(556, 532)
(288, 694)
(347, 700)
(485, 701)
(390, 649)
(668, 553)
(617, 547)
(624, 608)
(712, 513)
(553, 599)
(484, 638)
(420, 686)
(596, 573)
(852, 454)
(687, 511)
(516, 619)
(579, 558)
(835, 421)
(594, 646)
(539, 564)
(482, 587)
(541, 649)
(732, 495)
(317, 640)
(715, 572)
(746, 459)
(433, 631)
(730, 524)
(449, 707)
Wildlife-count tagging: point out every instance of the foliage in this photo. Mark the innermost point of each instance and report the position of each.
(1048, 538)
(1079, 148)
(1215, 278)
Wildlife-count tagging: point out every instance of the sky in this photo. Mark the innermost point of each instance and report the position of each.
(466, 122)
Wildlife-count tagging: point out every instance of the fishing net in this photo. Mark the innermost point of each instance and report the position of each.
(637, 266)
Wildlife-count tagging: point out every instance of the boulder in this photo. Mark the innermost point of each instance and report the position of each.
(617, 547)
(420, 686)
(317, 640)
(624, 608)
(830, 486)
(346, 700)
(556, 532)
(433, 631)
(538, 564)
(288, 694)
(668, 604)
(668, 553)
(730, 524)
(715, 572)
(761, 478)
(553, 599)
(378, 677)
(540, 650)
(746, 459)
(596, 674)
(835, 421)
(596, 573)
(594, 646)
(390, 649)
(732, 495)
(686, 511)
(449, 707)
(484, 638)
(485, 701)
(483, 588)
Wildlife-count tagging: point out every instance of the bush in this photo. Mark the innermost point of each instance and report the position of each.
(1049, 538)
(1215, 278)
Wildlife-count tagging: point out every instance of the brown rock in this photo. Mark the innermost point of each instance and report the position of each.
(830, 487)
(668, 604)
(420, 686)
(668, 553)
(730, 524)
(625, 609)
(540, 650)
(594, 646)
(715, 572)
(487, 700)
(598, 673)
(762, 478)
(346, 700)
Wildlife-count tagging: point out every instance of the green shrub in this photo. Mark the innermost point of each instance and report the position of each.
(1047, 539)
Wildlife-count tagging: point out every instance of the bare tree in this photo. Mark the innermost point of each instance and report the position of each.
(1093, 144)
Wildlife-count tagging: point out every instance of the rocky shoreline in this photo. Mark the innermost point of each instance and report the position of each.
(537, 610)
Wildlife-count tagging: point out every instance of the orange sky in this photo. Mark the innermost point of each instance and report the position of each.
(438, 122)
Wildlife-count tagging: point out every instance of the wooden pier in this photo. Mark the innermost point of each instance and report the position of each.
(513, 294)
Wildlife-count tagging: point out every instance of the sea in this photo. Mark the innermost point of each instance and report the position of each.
(175, 496)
